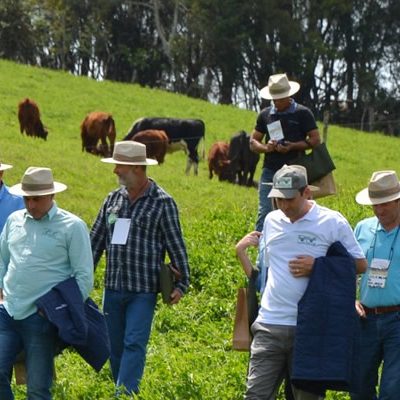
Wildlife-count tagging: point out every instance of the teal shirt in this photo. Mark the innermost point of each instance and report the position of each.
(36, 255)
(365, 232)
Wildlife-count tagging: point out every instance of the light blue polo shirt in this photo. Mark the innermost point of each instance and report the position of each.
(36, 255)
(365, 232)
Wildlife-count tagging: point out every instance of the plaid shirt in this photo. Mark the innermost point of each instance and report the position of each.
(154, 230)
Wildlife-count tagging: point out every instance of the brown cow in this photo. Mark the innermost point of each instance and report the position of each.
(97, 126)
(218, 160)
(29, 119)
(156, 142)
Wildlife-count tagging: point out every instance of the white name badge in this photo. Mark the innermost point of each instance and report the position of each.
(275, 130)
(121, 230)
(378, 272)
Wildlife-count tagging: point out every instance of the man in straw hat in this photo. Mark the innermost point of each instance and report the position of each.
(289, 129)
(294, 235)
(379, 306)
(8, 202)
(40, 247)
(137, 225)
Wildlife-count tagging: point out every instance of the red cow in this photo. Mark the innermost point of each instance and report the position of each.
(97, 126)
(29, 119)
(218, 160)
(156, 142)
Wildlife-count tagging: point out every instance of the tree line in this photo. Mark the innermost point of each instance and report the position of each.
(343, 52)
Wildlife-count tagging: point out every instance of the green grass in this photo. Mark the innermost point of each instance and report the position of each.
(190, 354)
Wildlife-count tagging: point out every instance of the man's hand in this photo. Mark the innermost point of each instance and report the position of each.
(251, 239)
(360, 310)
(175, 296)
(301, 266)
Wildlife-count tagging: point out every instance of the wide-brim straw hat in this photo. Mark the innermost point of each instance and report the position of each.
(129, 153)
(3, 167)
(37, 181)
(279, 87)
(384, 186)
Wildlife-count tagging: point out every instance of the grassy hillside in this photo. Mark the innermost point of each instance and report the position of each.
(190, 355)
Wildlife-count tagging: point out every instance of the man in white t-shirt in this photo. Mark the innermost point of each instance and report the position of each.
(294, 235)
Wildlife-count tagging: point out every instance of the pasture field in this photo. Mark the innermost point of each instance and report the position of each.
(190, 355)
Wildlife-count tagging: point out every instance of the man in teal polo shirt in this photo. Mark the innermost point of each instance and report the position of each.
(379, 306)
(39, 248)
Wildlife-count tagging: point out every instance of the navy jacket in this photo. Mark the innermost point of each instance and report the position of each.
(80, 324)
(324, 347)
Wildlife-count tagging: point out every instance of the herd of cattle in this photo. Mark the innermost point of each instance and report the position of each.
(232, 162)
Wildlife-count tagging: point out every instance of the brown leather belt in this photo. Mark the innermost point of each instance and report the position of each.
(380, 310)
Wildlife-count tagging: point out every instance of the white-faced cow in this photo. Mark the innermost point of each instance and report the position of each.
(218, 161)
(243, 161)
(156, 143)
(98, 126)
(29, 119)
(189, 131)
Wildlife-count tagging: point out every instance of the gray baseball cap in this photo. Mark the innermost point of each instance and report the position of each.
(287, 181)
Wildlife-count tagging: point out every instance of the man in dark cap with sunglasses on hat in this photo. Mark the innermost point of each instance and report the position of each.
(40, 247)
(289, 129)
(379, 306)
(137, 225)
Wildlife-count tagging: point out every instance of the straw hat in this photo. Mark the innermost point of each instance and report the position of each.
(37, 181)
(129, 153)
(3, 167)
(383, 187)
(279, 87)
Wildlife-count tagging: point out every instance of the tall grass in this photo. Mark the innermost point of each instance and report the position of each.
(190, 354)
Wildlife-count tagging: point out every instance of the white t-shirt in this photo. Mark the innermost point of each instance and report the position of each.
(311, 235)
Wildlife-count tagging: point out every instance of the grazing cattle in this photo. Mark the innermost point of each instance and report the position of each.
(243, 161)
(190, 131)
(218, 161)
(29, 119)
(97, 126)
(156, 143)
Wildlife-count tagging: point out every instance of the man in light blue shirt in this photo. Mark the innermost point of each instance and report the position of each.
(39, 248)
(8, 202)
(379, 306)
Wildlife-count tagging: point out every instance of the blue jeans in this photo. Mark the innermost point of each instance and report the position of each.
(129, 317)
(37, 336)
(379, 341)
(264, 203)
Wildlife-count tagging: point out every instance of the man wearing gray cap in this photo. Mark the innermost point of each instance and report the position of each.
(294, 235)
(40, 247)
(379, 306)
(289, 129)
(137, 225)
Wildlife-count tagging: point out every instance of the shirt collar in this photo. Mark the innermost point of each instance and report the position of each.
(50, 214)
(290, 110)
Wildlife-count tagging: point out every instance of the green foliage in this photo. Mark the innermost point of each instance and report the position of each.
(190, 354)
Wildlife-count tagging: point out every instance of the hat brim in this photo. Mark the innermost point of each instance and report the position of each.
(364, 199)
(266, 94)
(17, 190)
(3, 167)
(283, 194)
(149, 161)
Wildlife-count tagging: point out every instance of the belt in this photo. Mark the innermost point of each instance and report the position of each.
(381, 310)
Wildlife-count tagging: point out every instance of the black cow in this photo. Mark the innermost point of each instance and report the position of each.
(243, 161)
(189, 131)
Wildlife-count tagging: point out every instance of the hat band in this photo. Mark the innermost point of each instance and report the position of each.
(120, 157)
(377, 194)
(36, 186)
(278, 90)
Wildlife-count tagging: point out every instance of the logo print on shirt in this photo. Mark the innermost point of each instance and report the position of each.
(307, 240)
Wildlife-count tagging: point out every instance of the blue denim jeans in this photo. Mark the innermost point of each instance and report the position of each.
(264, 203)
(37, 336)
(129, 317)
(379, 342)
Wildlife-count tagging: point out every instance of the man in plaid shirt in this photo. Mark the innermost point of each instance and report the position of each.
(136, 226)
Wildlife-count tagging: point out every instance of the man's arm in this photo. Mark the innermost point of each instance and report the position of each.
(312, 140)
(251, 239)
(257, 146)
(361, 265)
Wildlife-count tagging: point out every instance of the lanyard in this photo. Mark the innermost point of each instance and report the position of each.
(391, 247)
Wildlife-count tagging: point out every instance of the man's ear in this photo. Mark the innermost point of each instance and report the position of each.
(308, 193)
